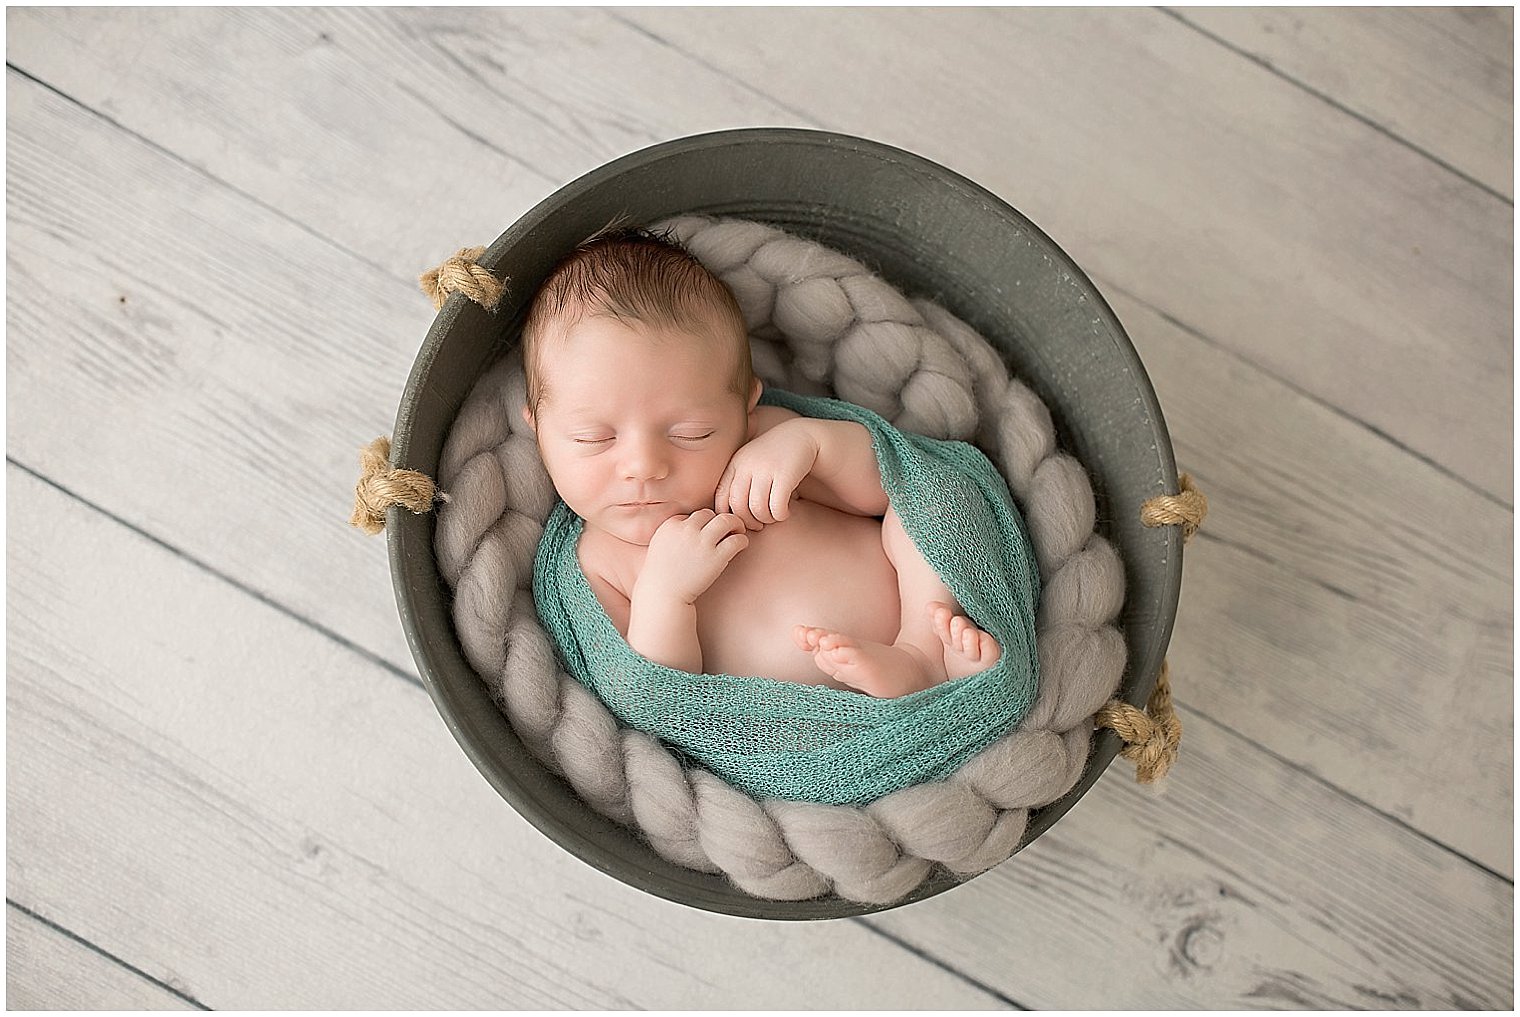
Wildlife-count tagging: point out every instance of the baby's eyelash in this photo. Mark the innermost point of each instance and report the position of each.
(681, 437)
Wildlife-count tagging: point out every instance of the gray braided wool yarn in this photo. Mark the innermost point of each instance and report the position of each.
(820, 324)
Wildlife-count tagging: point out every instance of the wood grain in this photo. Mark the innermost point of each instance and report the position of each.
(1244, 885)
(1441, 79)
(400, 870)
(212, 306)
(1312, 244)
(253, 405)
(303, 833)
(47, 970)
(1345, 603)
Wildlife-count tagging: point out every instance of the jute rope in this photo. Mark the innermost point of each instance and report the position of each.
(1187, 508)
(462, 274)
(380, 487)
(1153, 735)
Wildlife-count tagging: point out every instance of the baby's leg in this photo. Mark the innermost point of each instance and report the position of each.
(932, 620)
(934, 642)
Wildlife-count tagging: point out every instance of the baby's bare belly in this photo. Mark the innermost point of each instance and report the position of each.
(820, 567)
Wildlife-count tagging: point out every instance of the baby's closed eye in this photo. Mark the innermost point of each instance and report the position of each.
(682, 437)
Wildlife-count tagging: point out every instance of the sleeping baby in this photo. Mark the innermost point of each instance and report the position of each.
(720, 535)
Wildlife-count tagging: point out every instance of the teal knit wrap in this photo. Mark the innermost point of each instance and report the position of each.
(776, 739)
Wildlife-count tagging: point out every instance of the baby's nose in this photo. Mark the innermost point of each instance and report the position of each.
(644, 461)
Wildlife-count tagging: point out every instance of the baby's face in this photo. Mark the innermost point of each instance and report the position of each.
(634, 430)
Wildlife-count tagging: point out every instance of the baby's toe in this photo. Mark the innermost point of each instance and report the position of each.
(987, 651)
(845, 656)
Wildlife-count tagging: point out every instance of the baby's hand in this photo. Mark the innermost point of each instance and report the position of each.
(688, 553)
(763, 475)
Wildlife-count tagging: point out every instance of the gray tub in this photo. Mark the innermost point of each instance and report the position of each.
(927, 230)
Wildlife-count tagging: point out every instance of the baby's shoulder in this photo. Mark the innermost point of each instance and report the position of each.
(599, 560)
(609, 574)
(767, 417)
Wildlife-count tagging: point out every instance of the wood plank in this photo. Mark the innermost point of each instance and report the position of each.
(1300, 238)
(1245, 885)
(47, 970)
(1330, 608)
(1440, 78)
(166, 516)
(1308, 242)
(341, 379)
(232, 363)
(462, 119)
(303, 833)
(408, 884)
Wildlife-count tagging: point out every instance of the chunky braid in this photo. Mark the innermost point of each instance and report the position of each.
(819, 320)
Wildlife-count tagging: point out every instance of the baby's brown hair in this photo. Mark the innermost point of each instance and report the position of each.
(634, 274)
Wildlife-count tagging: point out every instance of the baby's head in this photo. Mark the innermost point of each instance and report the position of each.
(639, 381)
(645, 280)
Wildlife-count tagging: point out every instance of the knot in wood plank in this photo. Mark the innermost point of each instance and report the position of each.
(380, 486)
(1188, 508)
(462, 274)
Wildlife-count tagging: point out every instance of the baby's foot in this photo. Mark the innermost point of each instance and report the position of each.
(967, 648)
(873, 668)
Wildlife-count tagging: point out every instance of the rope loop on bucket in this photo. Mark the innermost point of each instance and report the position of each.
(381, 486)
(1188, 508)
(1151, 736)
(462, 274)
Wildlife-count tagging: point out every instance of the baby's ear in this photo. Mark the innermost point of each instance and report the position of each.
(528, 418)
(754, 394)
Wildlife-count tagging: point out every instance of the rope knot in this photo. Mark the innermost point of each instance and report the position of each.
(1189, 508)
(1151, 736)
(462, 274)
(380, 486)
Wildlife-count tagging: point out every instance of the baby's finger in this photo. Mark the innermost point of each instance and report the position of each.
(720, 496)
(732, 544)
(760, 500)
(780, 503)
(738, 498)
(720, 525)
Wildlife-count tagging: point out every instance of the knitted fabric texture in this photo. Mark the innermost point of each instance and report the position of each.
(820, 323)
(778, 739)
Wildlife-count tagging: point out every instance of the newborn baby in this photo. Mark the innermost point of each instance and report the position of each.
(719, 535)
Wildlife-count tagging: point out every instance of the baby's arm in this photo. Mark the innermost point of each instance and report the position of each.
(686, 556)
(831, 462)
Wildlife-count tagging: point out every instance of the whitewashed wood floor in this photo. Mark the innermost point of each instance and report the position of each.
(226, 787)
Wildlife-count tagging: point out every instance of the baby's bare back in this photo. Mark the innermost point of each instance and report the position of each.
(818, 567)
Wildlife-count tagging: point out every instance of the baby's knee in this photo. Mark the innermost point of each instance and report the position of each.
(895, 540)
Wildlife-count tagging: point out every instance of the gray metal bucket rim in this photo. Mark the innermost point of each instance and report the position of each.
(409, 540)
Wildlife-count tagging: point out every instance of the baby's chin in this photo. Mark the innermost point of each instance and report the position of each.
(638, 530)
